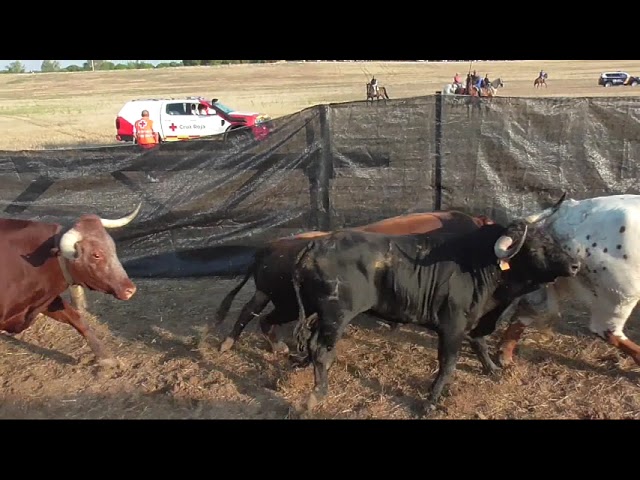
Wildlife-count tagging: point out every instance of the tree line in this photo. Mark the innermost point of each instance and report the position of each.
(93, 65)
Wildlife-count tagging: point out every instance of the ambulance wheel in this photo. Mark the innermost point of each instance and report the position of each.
(238, 135)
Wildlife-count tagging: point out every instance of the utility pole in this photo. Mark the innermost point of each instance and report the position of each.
(93, 68)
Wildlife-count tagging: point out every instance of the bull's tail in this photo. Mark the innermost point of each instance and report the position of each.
(226, 302)
(223, 309)
(304, 328)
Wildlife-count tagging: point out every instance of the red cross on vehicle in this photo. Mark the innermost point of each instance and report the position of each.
(172, 127)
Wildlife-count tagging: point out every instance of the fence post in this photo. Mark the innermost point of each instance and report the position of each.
(438, 160)
(325, 170)
(320, 171)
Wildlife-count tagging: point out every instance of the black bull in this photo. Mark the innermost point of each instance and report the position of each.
(448, 284)
(272, 269)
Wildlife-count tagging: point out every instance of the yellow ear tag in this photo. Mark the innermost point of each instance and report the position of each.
(504, 265)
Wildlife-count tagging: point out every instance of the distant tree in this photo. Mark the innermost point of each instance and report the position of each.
(15, 67)
(97, 64)
(73, 68)
(50, 66)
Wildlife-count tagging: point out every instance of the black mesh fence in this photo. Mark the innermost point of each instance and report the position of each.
(206, 204)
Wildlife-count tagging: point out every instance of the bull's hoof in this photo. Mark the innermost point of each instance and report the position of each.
(279, 348)
(299, 361)
(428, 408)
(312, 402)
(109, 363)
(505, 360)
(493, 371)
(227, 345)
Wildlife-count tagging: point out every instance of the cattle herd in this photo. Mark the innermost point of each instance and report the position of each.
(447, 271)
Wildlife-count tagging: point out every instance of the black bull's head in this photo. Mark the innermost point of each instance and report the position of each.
(541, 258)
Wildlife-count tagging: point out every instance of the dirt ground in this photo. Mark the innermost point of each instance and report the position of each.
(48, 371)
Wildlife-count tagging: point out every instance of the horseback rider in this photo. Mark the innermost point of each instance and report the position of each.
(457, 81)
(374, 85)
(486, 83)
(542, 74)
(473, 80)
(478, 82)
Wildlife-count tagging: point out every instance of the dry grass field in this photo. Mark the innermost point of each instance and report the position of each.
(48, 371)
(52, 110)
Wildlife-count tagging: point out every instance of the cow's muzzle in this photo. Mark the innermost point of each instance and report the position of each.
(126, 293)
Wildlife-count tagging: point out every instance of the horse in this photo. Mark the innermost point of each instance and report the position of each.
(541, 80)
(450, 89)
(492, 89)
(371, 93)
(472, 90)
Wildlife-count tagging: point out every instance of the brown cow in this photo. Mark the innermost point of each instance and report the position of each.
(272, 269)
(41, 260)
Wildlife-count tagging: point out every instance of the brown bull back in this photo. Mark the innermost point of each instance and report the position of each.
(454, 221)
(30, 276)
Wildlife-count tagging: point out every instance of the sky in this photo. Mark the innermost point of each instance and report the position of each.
(35, 64)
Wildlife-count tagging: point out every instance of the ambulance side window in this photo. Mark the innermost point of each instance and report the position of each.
(193, 108)
(176, 109)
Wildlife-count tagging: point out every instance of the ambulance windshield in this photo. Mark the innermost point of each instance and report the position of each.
(222, 107)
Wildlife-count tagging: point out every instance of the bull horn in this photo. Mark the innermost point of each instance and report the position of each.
(502, 247)
(536, 217)
(120, 222)
(68, 243)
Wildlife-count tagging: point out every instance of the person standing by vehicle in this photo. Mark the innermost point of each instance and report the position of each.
(143, 133)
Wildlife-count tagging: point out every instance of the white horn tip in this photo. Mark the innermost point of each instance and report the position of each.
(135, 212)
(120, 222)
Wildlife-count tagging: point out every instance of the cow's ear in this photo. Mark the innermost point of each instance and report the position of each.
(78, 247)
(517, 232)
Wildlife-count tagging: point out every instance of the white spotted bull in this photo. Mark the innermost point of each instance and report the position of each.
(603, 233)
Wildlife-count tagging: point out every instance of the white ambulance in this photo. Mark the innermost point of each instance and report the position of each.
(188, 118)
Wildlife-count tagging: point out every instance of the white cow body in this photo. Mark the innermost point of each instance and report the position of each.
(603, 233)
